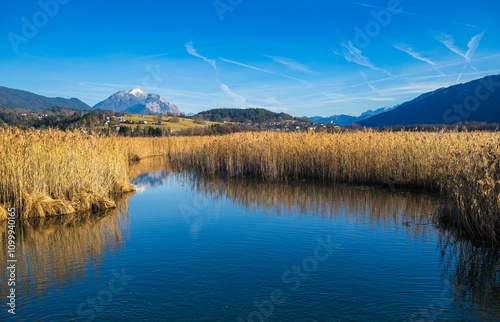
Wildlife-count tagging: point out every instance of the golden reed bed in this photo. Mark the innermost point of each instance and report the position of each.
(463, 167)
(52, 172)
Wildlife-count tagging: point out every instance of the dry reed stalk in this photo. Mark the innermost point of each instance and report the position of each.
(3, 212)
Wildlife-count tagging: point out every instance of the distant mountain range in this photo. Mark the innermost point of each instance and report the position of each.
(345, 120)
(13, 98)
(137, 101)
(475, 101)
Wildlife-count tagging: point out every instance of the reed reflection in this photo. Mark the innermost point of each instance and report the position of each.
(474, 272)
(53, 250)
(408, 210)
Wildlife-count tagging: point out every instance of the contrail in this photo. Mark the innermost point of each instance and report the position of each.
(307, 83)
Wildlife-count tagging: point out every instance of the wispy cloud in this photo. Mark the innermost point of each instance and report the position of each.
(238, 99)
(190, 49)
(147, 57)
(263, 70)
(390, 92)
(449, 42)
(360, 98)
(413, 75)
(307, 83)
(290, 63)
(413, 88)
(353, 54)
(410, 51)
(367, 82)
(272, 101)
(472, 46)
(423, 89)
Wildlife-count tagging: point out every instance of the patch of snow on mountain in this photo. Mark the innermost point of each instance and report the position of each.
(139, 92)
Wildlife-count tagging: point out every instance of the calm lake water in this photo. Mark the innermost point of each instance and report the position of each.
(198, 249)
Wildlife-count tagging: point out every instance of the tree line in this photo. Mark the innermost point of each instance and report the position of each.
(251, 115)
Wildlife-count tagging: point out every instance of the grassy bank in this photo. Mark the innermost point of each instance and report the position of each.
(51, 172)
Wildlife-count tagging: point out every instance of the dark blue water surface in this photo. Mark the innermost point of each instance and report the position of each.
(189, 248)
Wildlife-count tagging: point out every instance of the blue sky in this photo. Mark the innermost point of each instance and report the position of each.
(304, 57)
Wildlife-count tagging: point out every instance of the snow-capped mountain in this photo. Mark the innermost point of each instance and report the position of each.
(139, 92)
(137, 101)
